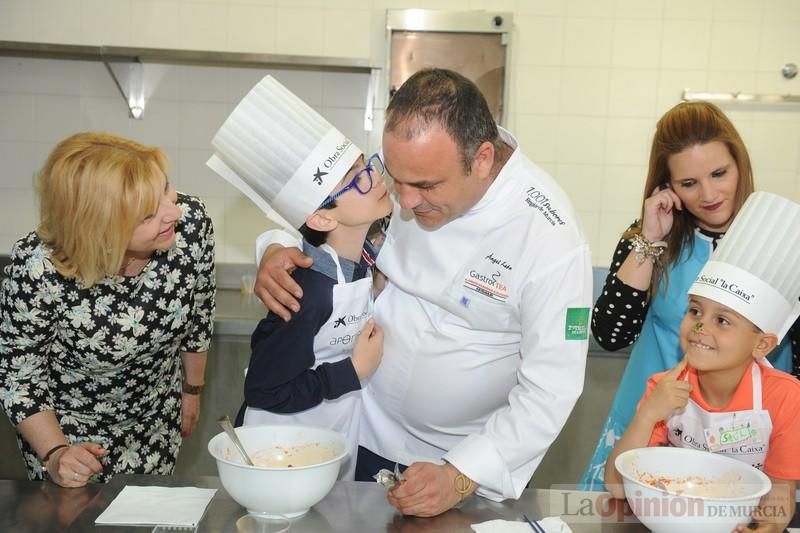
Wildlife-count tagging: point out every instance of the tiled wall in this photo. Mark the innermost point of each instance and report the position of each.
(593, 76)
(44, 101)
(589, 80)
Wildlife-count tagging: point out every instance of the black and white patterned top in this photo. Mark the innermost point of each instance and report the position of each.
(107, 360)
(619, 303)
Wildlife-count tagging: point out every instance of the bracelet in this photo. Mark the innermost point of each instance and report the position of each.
(191, 389)
(53, 450)
(463, 486)
(642, 248)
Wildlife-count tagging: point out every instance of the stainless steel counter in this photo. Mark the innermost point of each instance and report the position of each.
(351, 507)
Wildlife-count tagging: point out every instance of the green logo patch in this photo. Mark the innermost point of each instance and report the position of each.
(577, 327)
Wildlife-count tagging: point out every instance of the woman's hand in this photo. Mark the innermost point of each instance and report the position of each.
(658, 215)
(190, 413)
(368, 350)
(274, 286)
(194, 372)
(74, 465)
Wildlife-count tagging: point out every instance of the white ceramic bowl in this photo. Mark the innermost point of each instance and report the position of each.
(738, 489)
(276, 492)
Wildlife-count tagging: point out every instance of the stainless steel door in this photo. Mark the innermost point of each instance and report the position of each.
(481, 57)
(473, 43)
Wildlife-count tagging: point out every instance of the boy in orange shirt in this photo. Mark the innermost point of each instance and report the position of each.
(724, 384)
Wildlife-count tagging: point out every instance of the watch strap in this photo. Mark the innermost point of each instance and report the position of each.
(192, 389)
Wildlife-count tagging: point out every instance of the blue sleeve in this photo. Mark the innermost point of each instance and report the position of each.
(280, 377)
(794, 338)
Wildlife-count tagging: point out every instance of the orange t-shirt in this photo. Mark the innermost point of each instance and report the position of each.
(780, 396)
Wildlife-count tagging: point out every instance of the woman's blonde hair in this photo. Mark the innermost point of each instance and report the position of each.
(94, 190)
(685, 125)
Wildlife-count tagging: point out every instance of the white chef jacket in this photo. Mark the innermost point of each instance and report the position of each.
(476, 368)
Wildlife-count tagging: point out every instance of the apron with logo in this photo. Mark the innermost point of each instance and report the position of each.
(352, 307)
(656, 350)
(742, 435)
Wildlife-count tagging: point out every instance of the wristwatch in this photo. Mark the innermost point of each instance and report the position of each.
(191, 389)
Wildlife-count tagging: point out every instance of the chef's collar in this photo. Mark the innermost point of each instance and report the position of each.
(511, 141)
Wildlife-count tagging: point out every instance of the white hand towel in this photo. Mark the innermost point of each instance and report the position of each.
(173, 506)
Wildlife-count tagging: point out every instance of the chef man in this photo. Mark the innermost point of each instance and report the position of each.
(486, 310)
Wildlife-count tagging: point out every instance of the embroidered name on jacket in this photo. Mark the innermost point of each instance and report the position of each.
(541, 202)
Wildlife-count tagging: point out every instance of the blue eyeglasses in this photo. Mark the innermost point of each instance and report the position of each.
(362, 181)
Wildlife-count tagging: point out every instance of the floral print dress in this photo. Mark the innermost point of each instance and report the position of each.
(107, 360)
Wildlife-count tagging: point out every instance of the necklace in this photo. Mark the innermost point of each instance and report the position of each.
(127, 264)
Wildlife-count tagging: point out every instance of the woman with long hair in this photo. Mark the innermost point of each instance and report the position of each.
(699, 176)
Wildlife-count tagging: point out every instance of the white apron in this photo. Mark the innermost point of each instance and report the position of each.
(352, 307)
(742, 435)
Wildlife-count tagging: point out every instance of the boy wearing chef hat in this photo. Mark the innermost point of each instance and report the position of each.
(287, 158)
(724, 397)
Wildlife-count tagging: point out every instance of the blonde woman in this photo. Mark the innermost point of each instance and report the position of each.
(106, 315)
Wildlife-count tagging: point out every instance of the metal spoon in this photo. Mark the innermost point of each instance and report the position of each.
(225, 422)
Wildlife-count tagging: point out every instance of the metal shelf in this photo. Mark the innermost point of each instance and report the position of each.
(125, 64)
(176, 56)
(740, 98)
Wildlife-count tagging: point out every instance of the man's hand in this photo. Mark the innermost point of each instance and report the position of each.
(274, 286)
(190, 413)
(669, 396)
(429, 490)
(368, 350)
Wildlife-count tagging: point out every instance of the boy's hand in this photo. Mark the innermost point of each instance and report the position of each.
(368, 350)
(669, 396)
(760, 527)
(775, 510)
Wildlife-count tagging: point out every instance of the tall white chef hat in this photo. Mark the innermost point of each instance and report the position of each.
(755, 270)
(281, 153)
